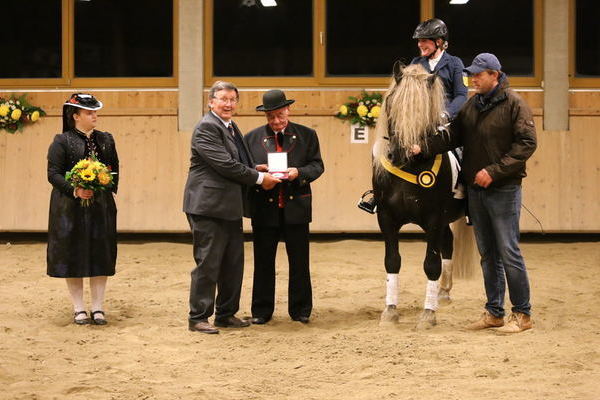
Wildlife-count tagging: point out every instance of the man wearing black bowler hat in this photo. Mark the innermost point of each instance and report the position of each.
(285, 211)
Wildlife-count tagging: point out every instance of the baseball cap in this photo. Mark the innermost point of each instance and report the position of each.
(483, 62)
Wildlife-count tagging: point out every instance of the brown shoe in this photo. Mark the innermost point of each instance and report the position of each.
(231, 322)
(487, 321)
(203, 327)
(517, 322)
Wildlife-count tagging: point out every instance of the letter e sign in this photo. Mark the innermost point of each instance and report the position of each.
(359, 134)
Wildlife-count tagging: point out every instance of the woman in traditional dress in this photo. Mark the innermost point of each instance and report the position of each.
(82, 240)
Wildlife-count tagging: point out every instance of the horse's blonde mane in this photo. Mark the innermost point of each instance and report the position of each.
(412, 110)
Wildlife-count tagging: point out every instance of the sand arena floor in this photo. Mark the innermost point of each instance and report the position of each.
(146, 351)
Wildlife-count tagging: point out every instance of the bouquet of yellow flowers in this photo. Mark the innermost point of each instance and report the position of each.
(16, 112)
(90, 174)
(363, 110)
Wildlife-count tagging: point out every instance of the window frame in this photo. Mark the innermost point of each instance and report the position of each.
(574, 81)
(319, 55)
(68, 78)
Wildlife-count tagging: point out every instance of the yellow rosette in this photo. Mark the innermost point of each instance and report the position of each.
(34, 116)
(16, 114)
(4, 109)
(375, 111)
(343, 110)
(362, 110)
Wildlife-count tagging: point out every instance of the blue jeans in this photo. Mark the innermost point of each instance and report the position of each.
(495, 214)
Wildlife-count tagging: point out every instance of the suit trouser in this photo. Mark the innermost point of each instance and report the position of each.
(219, 255)
(265, 240)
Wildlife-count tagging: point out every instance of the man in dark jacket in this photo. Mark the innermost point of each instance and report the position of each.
(285, 211)
(496, 129)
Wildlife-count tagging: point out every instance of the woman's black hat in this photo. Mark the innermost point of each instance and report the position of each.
(79, 100)
(273, 100)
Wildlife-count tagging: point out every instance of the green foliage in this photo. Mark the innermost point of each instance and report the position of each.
(362, 110)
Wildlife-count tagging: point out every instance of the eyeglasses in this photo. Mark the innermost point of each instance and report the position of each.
(226, 100)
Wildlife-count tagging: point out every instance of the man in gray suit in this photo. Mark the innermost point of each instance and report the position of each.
(221, 168)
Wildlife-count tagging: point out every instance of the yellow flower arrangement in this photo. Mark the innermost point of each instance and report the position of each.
(90, 174)
(16, 112)
(363, 110)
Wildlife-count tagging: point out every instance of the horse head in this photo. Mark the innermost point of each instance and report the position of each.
(412, 110)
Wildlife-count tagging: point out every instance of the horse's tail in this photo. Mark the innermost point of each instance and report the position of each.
(465, 256)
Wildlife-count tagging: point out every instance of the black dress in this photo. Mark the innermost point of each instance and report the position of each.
(82, 241)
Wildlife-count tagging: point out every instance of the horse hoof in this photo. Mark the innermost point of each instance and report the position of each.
(427, 320)
(444, 296)
(389, 316)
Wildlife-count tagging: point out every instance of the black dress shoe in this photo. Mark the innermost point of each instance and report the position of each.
(304, 320)
(203, 327)
(231, 322)
(259, 320)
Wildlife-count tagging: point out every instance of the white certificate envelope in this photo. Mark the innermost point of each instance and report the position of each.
(277, 162)
(278, 165)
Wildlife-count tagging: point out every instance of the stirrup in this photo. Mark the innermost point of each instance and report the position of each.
(369, 204)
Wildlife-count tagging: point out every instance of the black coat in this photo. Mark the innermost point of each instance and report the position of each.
(302, 145)
(82, 241)
(498, 135)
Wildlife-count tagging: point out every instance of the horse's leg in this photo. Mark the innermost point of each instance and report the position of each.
(433, 269)
(446, 280)
(389, 228)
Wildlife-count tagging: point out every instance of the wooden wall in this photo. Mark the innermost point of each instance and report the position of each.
(562, 188)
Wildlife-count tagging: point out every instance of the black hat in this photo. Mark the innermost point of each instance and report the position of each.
(431, 29)
(273, 100)
(85, 101)
(79, 100)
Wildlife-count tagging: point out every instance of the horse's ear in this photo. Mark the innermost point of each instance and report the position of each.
(397, 70)
(431, 79)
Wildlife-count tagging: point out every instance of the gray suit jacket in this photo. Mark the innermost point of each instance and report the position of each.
(217, 179)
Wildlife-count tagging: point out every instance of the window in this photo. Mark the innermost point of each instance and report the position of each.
(117, 38)
(364, 41)
(585, 67)
(355, 42)
(252, 40)
(503, 27)
(83, 43)
(31, 41)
